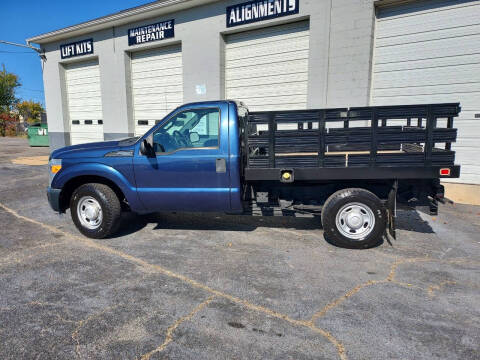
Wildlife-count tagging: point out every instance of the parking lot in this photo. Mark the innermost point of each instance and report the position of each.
(203, 286)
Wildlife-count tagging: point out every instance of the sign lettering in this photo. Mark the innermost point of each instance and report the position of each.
(82, 47)
(153, 32)
(259, 10)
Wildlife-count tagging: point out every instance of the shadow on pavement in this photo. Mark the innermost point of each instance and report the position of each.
(410, 220)
(406, 220)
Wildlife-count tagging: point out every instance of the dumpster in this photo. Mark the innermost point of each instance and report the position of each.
(38, 135)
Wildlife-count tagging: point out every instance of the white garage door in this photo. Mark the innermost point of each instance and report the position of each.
(84, 102)
(267, 69)
(429, 52)
(157, 85)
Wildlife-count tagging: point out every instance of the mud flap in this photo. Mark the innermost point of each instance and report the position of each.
(391, 206)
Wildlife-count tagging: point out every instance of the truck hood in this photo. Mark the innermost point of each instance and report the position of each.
(95, 149)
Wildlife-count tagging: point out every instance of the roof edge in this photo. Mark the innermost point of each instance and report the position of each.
(106, 21)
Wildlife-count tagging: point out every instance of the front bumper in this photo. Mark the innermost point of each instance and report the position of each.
(53, 196)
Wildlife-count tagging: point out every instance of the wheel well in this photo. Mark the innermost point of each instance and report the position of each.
(76, 182)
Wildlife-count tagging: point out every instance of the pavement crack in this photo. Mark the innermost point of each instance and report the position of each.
(81, 323)
(432, 288)
(18, 256)
(341, 299)
(389, 279)
(159, 269)
(171, 329)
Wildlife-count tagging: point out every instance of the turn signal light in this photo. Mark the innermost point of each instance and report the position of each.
(55, 168)
(445, 172)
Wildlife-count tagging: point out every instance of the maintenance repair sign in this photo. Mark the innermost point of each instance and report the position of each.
(259, 10)
(153, 32)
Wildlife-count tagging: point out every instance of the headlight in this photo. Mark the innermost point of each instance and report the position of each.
(54, 166)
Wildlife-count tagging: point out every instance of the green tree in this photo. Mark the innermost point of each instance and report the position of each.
(30, 110)
(8, 84)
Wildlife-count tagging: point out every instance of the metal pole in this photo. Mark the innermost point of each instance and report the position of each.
(21, 45)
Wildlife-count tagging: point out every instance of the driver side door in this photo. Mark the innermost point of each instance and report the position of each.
(190, 169)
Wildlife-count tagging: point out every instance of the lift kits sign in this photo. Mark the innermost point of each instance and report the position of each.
(153, 32)
(78, 48)
(259, 10)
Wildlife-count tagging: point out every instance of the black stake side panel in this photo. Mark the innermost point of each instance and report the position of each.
(304, 148)
(431, 172)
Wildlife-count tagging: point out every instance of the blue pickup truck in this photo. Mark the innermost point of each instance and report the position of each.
(348, 166)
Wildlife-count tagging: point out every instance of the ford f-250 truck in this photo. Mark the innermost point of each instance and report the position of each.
(350, 166)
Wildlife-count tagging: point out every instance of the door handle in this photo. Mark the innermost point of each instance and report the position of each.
(221, 165)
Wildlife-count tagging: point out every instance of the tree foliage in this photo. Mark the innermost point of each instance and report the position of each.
(8, 124)
(8, 84)
(30, 110)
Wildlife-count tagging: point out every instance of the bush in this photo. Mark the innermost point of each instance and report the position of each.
(8, 125)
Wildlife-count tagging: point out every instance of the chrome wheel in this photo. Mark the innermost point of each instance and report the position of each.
(355, 221)
(89, 212)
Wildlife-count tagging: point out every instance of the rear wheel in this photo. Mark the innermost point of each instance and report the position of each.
(95, 210)
(354, 218)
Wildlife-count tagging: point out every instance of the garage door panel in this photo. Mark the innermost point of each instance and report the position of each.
(468, 115)
(159, 74)
(444, 34)
(268, 68)
(260, 90)
(84, 101)
(418, 90)
(154, 98)
(279, 80)
(277, 101)
(170, 63)
(249, 46)
(467, 15)
(157, 85)
(85, 115)
(266, 49)
(433, 76)
(86, 108)
(428, 63)
(437, 48)
(286, 31)
(268, 107)
(93, 89)
(84, 68)
(156, 54)
(82, 77)
(423, 99)
(269, 59)
(429, 52)
(154, 90)
(423, 7)
(272, 69)
(164, 104)
(153, 114)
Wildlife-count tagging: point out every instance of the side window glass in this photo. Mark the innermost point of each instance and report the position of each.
(196, 128)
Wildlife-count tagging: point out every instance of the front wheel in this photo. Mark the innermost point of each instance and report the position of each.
(354, 218)
(95, 210)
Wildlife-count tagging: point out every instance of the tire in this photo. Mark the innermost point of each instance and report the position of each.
(100, 207)
(347, 218)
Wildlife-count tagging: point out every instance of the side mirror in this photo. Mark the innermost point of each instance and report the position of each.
(146, 147)
(194, 137)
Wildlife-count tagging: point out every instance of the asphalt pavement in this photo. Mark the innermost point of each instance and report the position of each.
(216, 286)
